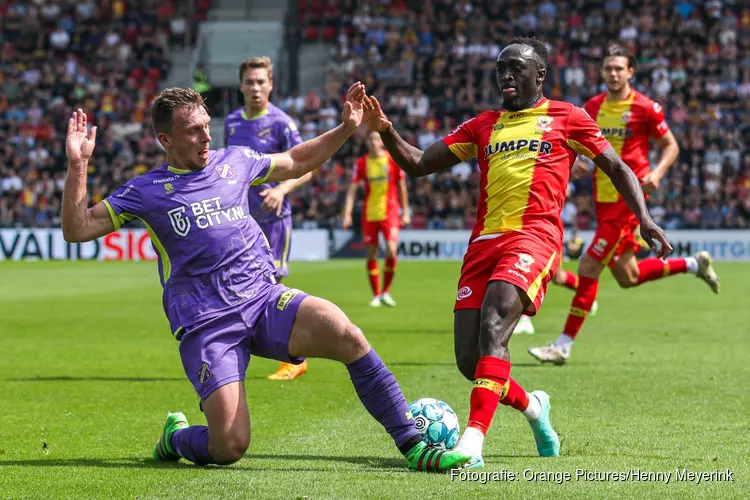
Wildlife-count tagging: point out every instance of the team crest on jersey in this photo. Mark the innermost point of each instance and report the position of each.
(626, 115)
(544, 123)
(225, 171)
(524, 262)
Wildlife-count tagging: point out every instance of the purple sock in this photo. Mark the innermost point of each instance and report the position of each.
(379, 392)
(191, 443)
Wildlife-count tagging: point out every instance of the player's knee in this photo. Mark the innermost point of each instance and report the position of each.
(626, 280)
(231, 449)
(352, 343)
(467, 365)
(588, 267)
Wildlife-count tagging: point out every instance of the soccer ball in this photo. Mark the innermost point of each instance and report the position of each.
(436, 421)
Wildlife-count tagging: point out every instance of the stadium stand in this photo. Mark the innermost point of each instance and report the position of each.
(106, 56)
(431, 64)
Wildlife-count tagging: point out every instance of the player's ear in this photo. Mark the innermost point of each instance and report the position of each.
(164, 139)
(541, 75)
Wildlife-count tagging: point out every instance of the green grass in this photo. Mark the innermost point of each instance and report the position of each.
(88, 370)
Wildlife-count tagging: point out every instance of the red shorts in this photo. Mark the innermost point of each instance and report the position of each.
(517, 258)
(613, 237)
(389, 227)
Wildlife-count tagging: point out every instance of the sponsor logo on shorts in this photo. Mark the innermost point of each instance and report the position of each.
(463, 293)
(285, 298)
(524, 262)
(516, 273)
(600, 246)
(204, 373)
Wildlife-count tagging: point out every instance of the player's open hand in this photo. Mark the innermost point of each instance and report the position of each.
(374, 117)
(79, 143)
(354, 106)
(273, 200)
(650, 232)
(650, 182)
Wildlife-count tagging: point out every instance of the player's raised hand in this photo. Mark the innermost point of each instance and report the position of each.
(79, 143)
(374, 117)
(650, 232)
(354, 106)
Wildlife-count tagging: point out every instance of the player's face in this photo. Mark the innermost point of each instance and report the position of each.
(375, 144)
(519, 77)
(189, 141)
(256, 88)
(616, 73)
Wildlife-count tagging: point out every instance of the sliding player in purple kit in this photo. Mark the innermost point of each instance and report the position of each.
(220, 294)
(263, 127)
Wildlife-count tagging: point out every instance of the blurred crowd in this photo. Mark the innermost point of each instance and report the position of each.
(431, 64)
(104, 56)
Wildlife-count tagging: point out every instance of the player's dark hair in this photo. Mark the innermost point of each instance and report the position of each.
(615, 49)
(540, 49)
(167, 101)
(257, 63)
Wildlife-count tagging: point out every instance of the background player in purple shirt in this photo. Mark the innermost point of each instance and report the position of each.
(220, 293)
(263, 127)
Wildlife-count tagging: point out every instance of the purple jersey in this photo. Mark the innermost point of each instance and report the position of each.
(212, 255)
(272, 131)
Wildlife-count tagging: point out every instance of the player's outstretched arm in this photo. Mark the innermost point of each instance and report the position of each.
(80, 223)
(311, 154)
(413, 161)
(628, 186)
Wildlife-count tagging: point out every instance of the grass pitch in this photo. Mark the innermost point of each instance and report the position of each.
(657, 382)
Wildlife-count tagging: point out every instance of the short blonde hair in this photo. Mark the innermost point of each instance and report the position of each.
(257, 63)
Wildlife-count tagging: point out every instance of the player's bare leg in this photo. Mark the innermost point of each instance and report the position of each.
(558, 352)
(629, 272)
(224, 441)
(373, 273)
(481, 344)
(391, 250)
(322, 330)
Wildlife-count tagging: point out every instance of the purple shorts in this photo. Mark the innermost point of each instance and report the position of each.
(217, 352)
(279, 236)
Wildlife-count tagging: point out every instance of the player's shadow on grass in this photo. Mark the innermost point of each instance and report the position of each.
(149, 463)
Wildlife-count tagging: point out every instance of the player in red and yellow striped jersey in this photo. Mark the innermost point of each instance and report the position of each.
(525, 153)
(385, 210)
(628, 119)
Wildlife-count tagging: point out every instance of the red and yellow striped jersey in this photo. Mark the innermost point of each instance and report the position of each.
(381, 176)
(524, 159)
(627, 125)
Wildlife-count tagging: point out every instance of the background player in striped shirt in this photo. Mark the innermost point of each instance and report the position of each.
(628, 119)
(265, 128)
(385, 197)
(525, 153)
